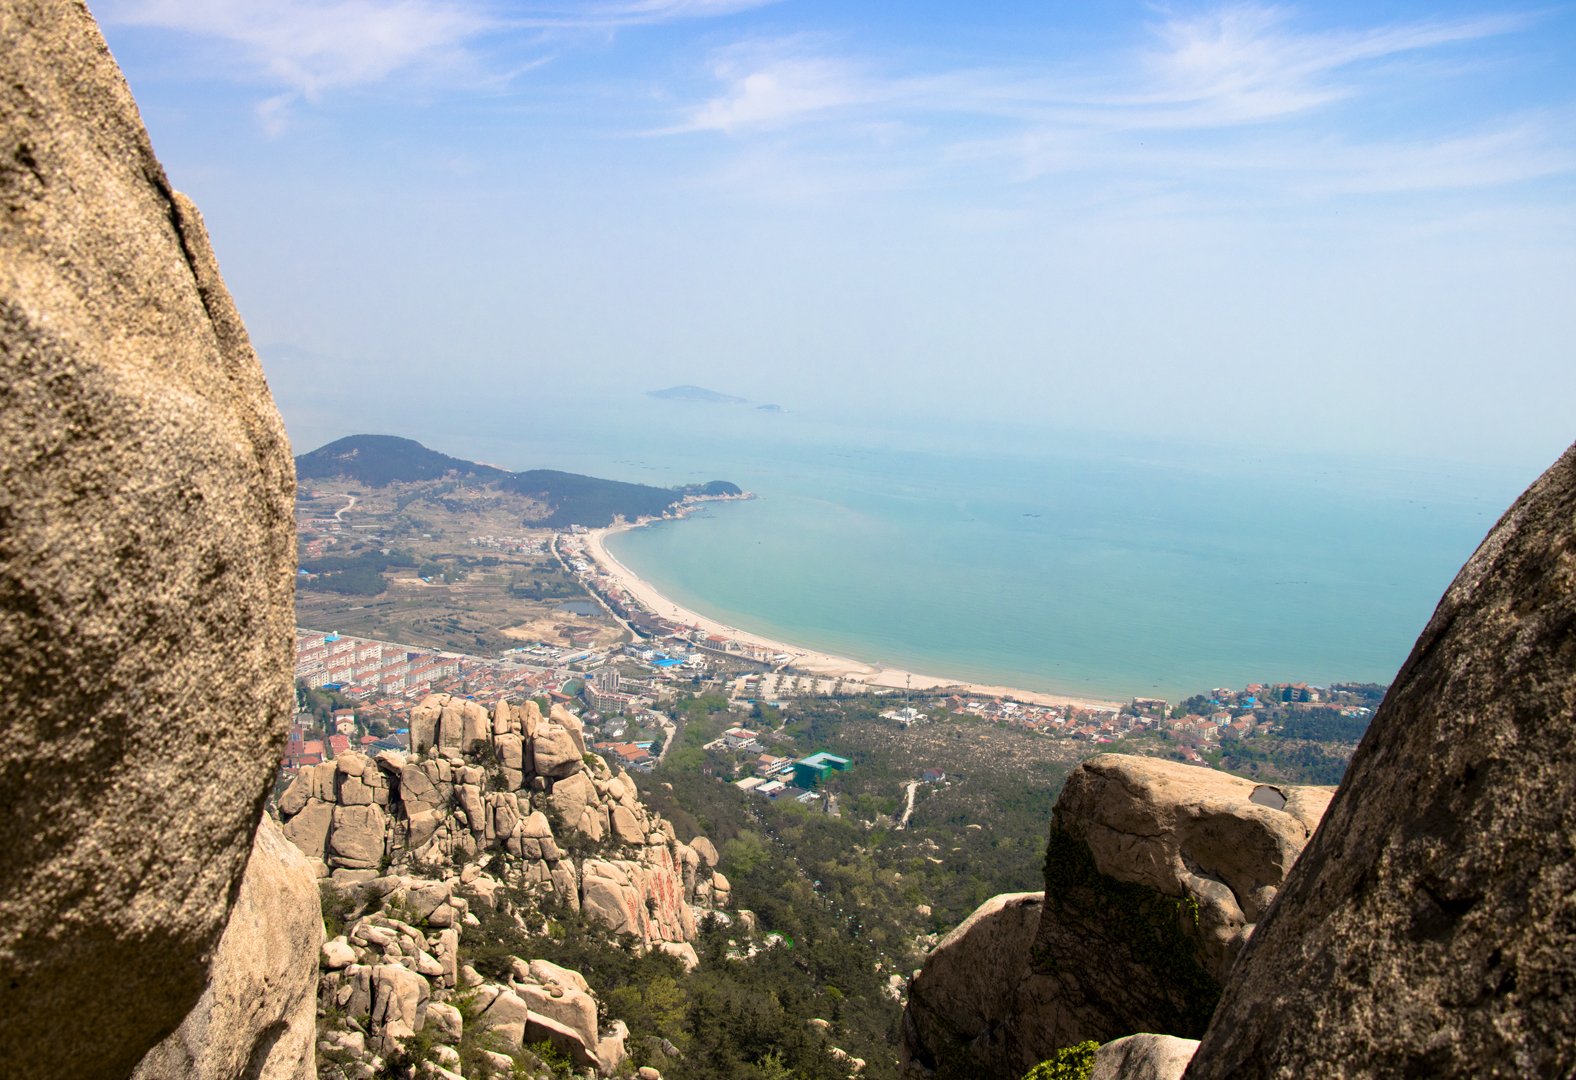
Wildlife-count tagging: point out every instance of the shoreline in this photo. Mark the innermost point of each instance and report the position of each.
(824, 665)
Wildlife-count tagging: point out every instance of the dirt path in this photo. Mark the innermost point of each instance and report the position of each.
(908, 812)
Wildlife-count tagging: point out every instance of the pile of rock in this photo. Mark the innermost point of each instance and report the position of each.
(507, 781)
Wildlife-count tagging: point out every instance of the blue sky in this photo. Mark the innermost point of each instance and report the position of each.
(1323, 227)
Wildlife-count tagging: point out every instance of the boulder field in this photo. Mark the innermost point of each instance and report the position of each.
(147, 561)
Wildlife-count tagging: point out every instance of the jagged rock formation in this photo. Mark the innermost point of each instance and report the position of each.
(505, 781)
(1429, 929)
(1155, 875)
(146, 559)
(258, 1016)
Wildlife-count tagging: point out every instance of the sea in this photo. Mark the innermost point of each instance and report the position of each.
(1060, 561)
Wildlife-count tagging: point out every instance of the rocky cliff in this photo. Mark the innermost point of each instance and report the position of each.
(146, 558)
(505, 786)
(497, 812)
(1156, 873)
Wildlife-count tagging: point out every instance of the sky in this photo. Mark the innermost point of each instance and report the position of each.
(1330, 227)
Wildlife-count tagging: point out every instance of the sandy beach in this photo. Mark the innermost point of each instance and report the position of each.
(823, 664)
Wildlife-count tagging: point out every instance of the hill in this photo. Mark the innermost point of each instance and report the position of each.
(379, 460)
(694, 393)
(569, 498)
(584, 500)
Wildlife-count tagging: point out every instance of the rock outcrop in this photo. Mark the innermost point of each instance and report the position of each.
(1429, 929)
(258, 1016)
(1156, 873)
(579, 831)
(147, 555)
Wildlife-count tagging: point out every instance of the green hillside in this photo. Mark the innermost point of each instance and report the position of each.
(379, 460)
(571, 499)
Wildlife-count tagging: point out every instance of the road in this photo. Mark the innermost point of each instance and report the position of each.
(339, 515)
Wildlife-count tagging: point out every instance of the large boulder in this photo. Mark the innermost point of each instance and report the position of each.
(1155, 874)
(967, 1007)
(1143, 1057)
(1429, 929)
(1221, 842)
(147, 558)
(259, 1014)
(554, 752)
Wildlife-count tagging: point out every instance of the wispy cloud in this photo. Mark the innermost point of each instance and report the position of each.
(306, 47)
(1240, 64)
(1243, 72)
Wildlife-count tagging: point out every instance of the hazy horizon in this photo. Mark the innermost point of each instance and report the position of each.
(1334, 229)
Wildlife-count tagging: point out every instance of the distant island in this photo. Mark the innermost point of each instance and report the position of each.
(771, 408)
(558, 499)
(695, 393)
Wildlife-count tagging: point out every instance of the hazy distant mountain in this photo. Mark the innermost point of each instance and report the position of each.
(571, 499)
(379, 460)
(694, 393)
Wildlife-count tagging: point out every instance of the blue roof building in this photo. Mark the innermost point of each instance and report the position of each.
(808, 772)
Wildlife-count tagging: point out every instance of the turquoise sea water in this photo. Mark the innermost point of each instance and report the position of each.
(1081, 565)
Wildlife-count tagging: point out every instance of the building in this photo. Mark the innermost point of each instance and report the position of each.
(809, 772)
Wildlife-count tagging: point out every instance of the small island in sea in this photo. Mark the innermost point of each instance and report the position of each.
(695, 393)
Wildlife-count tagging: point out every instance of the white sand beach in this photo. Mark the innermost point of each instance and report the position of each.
(818, 663)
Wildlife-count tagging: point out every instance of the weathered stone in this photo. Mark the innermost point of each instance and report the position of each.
(424, 722)
(968, 1002)
(308, 830)
(258, 1016)
(1111, 946)
(570, 723)
(294, 800)
(570, 1007)
(444, 1022)
(1143, 1057)
(623, 824)
(535, 825)
(554, 752)
(451, 724)
(147, 559)
(684, 951)
(422, 827)
(350, 791)
(507, 1015)
(352, 763)
(550, 974)
(338, 954)
(592, 824)
(1429, 929)
(502, 719)
(398, 996)
(1191, 832)
(511, 751)
(570, 796)
(357, 838)
(565, 1039)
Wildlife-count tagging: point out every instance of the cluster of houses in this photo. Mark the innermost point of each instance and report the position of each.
(510, 545)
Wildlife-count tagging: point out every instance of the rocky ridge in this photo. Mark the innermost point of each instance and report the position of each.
(492, 803)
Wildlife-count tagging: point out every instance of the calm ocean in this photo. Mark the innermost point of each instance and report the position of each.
(1084, 565)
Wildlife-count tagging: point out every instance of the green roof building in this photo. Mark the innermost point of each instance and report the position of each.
(808, 772)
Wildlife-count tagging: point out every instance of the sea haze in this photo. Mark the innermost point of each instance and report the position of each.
(1059, 562)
